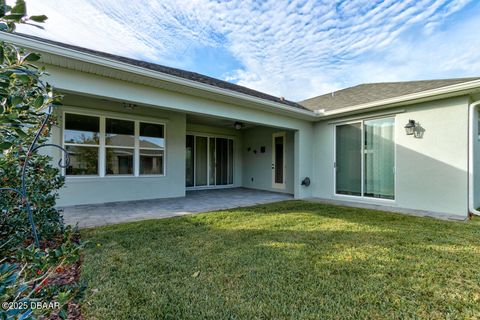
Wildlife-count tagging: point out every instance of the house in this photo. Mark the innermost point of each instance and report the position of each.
(137, 130)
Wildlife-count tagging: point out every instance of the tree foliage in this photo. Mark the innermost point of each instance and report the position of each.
(26, 102)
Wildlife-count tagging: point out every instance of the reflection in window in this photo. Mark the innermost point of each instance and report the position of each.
(152, 144)
(120, 133)
(151, 135)
(81, 137)
(151, 161)
(119, 161)
(81, 129)
(83, 160)
(124, 142)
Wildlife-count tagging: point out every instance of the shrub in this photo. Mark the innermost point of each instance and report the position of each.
(29, 181)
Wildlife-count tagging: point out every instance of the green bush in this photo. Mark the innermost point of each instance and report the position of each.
(25, 104)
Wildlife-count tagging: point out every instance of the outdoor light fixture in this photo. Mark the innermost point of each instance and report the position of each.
(238, 125)
(410, 127)
(129, 106)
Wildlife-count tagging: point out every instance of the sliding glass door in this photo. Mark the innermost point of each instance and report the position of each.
(209, 161)
(349, 159)
(365, 159)
(379, 159)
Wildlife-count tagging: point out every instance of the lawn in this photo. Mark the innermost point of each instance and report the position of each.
(290, 260)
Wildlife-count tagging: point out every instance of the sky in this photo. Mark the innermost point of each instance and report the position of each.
(295, 49)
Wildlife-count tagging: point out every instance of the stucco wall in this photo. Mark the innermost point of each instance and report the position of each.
(87, 190)
(431, 172)
(257, 167)
(237, 145)
(107, 88)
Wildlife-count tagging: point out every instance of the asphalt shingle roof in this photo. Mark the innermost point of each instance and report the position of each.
(370, 92)
(197, 77)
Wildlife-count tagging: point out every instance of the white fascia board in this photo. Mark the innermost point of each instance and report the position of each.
(407, 99)
(37, 45)
(273, 106)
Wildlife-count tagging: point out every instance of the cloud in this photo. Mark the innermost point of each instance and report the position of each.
(295, 49)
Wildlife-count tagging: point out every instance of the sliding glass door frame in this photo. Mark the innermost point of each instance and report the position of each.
(209, 169)
(362, 152)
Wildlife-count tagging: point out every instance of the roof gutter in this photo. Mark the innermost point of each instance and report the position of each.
(33, 44)
(316, 115)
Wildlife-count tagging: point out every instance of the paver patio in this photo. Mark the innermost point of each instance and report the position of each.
(194, 202)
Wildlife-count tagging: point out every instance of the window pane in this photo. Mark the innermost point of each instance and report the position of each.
(81, 129)
(190, 157)
(119, 161)
(211, 178)
(151, 135)
(230, 161)
(201, 161)
(349, 159)
(379, 158)
(119, 133)
(83, 160)
(151, 161)
(221, 161)
(279, 145)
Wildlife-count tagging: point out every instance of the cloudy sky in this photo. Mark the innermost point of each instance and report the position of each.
(296, 49)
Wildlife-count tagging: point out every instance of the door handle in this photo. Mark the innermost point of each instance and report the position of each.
(273, 166)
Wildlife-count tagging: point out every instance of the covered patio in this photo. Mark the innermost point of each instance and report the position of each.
(195, 201)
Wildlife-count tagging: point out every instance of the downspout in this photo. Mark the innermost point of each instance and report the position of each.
(471, 145)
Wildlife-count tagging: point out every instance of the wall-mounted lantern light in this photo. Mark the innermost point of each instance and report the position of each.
(238, 125)
(410, 127)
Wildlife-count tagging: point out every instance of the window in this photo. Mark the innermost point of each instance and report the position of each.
(106, 146)
(209, 161)
(120, 145)
(365, 159)
(82, 141)
(152, 148)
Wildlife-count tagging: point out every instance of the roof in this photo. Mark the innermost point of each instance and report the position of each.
(193, 76)
(371, 92)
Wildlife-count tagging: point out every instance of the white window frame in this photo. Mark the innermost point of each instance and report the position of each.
(208, 185)
(102, 145)
(103, 123)
(276, 185)
(362, 197)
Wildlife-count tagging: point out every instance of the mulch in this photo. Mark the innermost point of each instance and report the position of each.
(66, 275)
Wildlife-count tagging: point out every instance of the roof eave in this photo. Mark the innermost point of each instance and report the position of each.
(433, 94)
(33, 44)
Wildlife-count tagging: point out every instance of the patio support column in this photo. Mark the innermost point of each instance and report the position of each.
(303, 166)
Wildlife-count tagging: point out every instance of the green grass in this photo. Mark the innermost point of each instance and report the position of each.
(290, 260)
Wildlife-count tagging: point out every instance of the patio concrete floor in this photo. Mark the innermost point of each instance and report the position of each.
(194, 202)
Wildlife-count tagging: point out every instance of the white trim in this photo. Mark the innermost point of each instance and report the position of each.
(220, 186)
(362, 197)
(102, 115)
(136, 146)
(102, 152)
(122, 66)
(209, 136)
(111, 114)
(41, 46)
(276, 185)
(408, 98)
(376, 115)
(473, 116)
